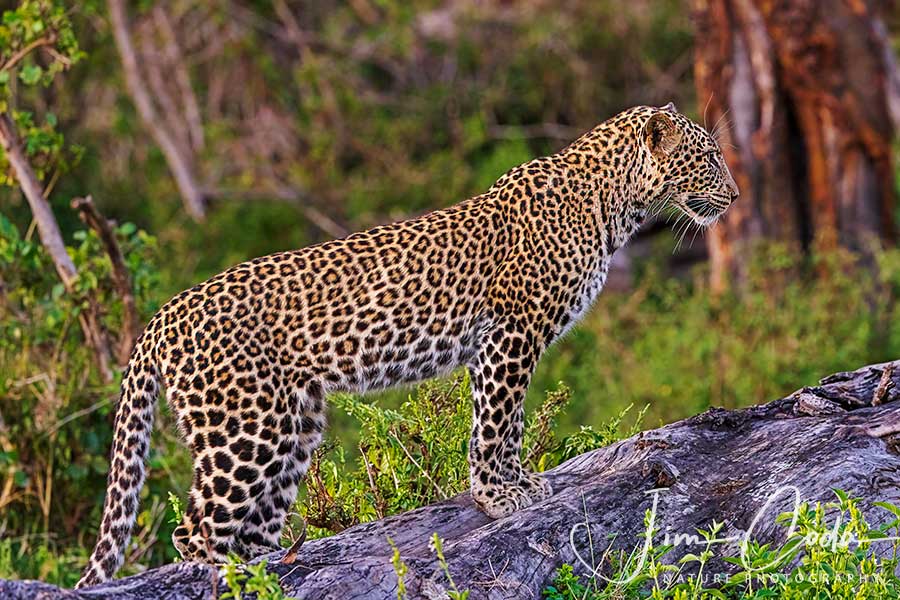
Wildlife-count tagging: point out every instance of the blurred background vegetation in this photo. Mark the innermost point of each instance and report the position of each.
(215, 131)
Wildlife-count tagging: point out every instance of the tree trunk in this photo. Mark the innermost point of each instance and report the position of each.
(52, 240)
(721, 465)
(806, 88)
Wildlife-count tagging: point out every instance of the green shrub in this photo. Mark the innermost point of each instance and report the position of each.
(241, 578)
(55, 410)
(416, 454)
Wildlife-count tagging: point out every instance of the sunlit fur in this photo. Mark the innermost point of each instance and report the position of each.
(697, 186)
(248, 357)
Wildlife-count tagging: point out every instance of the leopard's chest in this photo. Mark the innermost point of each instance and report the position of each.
(584, 295)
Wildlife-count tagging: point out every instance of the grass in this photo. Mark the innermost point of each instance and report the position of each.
(416, 454)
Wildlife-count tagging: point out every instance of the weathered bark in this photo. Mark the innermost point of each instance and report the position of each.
(52, 240)
(806, 87)
(721, 465)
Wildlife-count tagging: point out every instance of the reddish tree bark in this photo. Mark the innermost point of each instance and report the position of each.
(804, 87)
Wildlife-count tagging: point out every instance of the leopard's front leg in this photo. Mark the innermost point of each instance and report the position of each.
(500, 377)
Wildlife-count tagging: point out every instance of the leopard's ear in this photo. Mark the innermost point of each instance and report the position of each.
(662, 135)
(670, 107)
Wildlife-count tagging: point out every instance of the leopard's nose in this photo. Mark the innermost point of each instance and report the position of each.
(733, 190)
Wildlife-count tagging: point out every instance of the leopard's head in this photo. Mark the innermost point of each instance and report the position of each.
(685, 167)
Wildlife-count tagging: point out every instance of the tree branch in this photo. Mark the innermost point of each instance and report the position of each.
(52, 240)
(891, 69)
(131, 323)
(13, 60)
(191, 108)
(48, 229)
(180, 165)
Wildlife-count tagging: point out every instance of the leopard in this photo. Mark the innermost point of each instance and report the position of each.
(247, 358)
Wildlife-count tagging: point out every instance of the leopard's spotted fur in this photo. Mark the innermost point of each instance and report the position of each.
(248, 357)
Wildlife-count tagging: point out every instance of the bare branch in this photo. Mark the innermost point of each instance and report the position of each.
(180, 165)
(191, 108)
(131, 324)
(48, 229)
(42, 41)
(156, 74)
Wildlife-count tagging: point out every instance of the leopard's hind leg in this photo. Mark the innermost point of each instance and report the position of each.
(221, 489)
(296, 434)
(250, 451)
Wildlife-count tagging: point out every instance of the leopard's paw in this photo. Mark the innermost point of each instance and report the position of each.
(500, 501)
(535, 485)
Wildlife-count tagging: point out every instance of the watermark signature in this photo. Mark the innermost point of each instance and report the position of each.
(833, 539)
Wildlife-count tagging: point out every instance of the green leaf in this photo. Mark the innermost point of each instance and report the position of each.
(895, 510)
(30, 74)
(20, 478)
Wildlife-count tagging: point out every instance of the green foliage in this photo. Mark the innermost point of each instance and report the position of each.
(241, 578)
(44, 147)
(380, 115)
(400, 569)
(36, 27)
(35, 555)
(673, 345)
(177, 509)
(40, 309)
(417, 138)
(35, 24)
(453, 593)
(408, 108)
(829, 553)
(54, 407)
(416, 454)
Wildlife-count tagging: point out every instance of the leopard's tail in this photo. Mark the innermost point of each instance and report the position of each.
(131, 444)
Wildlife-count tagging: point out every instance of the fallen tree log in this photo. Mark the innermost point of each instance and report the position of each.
(722, 465)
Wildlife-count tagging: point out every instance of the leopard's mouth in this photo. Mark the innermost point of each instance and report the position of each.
(704, 210)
